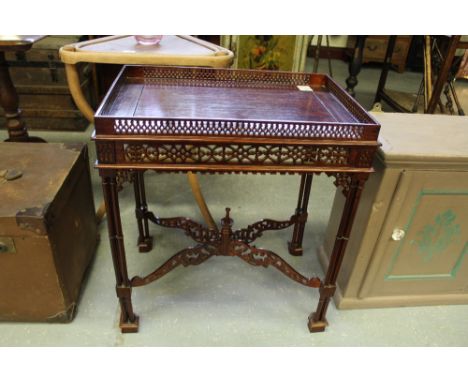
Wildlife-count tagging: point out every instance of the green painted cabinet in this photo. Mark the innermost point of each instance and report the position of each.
(409, 245)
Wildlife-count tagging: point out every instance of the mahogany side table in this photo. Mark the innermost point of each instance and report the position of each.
(17, 131)
(211, 120)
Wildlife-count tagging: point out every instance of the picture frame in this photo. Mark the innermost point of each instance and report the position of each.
(268, 52)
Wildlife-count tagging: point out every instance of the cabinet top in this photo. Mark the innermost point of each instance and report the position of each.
(423, 139)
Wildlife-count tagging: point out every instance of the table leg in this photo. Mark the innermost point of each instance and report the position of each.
(295, 245)
(355, 65)
(129, 322)
(145, 240)
(317, 320)
(17, 131)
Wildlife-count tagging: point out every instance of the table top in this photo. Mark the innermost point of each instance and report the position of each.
(18, 42)
(423, 139)
(233, 103)
(172, 50)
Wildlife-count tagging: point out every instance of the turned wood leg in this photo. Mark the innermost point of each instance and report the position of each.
(295, 245)
(145, 241)
(9, 101)
(128, 320)
(355, 65)
(17, 131)
(317, 320)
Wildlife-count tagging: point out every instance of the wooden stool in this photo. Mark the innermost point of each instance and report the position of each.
(17, 131)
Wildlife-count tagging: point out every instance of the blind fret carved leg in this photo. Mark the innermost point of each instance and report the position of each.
(145, 240)
(129, 322)
(317, 320)
(295, 245)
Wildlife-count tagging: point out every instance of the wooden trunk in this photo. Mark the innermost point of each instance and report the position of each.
(40, 80)
(48, 230)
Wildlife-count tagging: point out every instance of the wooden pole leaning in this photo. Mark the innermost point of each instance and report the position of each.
(427, 72)
(76, 92)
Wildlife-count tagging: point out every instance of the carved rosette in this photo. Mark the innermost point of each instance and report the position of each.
(123, 176)
(343, 181)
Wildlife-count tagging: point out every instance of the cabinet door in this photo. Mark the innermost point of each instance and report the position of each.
(423, 246)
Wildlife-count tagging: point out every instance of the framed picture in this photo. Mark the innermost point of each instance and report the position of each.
(269, 52)
(463, 69)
